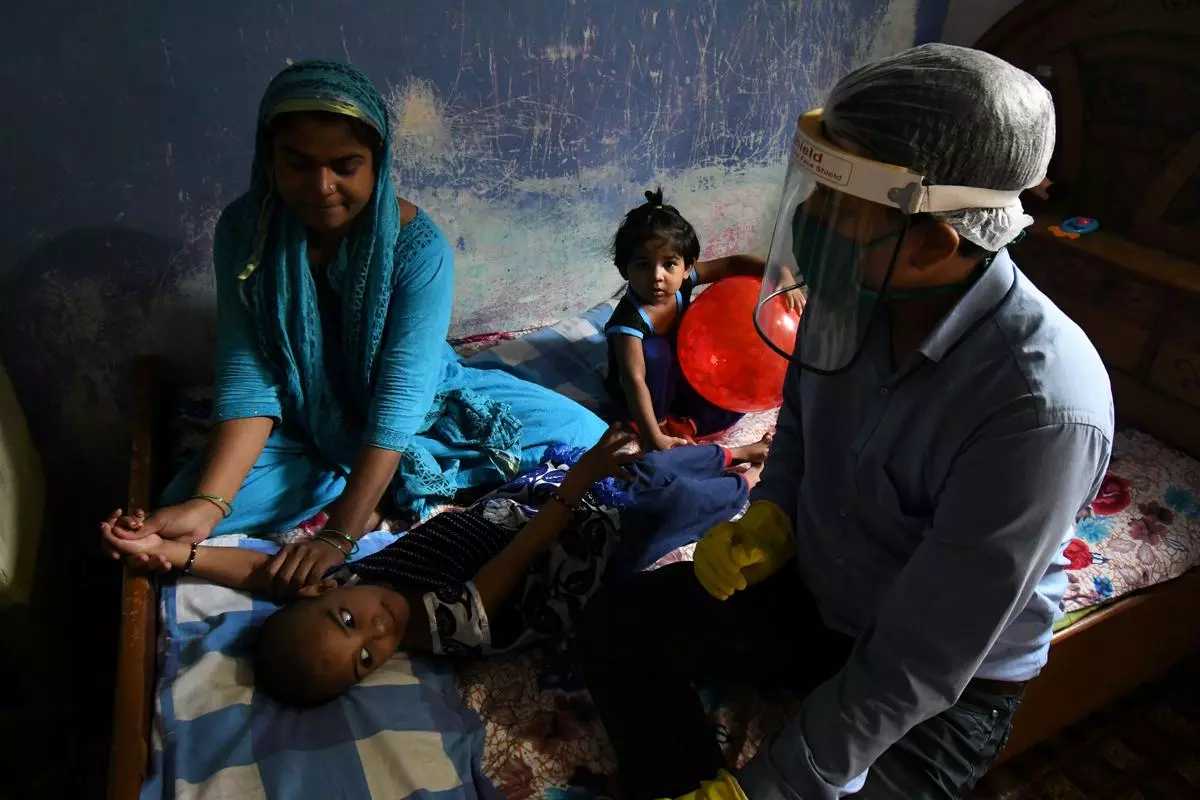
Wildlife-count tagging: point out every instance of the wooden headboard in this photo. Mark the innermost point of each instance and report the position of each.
(1125, 75)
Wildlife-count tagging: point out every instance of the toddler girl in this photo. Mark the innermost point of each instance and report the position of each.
(656, 250)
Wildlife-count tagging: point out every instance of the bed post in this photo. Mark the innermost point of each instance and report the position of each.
(129, 759)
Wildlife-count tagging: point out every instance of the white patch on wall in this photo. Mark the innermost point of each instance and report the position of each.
(529, 249)
(898, 31)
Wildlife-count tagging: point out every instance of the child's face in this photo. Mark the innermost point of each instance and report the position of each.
(343, 634)
(656, 272)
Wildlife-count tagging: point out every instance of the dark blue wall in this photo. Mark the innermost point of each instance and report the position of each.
(525, 132)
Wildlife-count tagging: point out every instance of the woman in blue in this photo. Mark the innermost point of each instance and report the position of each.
(335, 389)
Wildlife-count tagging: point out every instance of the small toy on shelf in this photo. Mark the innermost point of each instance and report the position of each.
(1074, 227)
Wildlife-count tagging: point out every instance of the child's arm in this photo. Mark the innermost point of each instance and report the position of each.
(750, 266)
(728, 266)
(228, 566)
(497, 579)
(632, 364)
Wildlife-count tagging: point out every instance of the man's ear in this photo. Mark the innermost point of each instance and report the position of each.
(316, 589)
(930, 243)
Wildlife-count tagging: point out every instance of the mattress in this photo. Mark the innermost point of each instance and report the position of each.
(1142, 529)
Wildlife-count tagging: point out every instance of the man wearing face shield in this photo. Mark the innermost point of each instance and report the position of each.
(900, 566)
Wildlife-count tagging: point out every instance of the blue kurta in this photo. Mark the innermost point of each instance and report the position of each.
(446, 418)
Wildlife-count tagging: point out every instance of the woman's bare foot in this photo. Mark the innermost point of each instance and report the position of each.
(751, 453)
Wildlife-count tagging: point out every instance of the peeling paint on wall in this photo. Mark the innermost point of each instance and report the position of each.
(531, 241)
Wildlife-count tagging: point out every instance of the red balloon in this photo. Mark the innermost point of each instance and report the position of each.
(721, 353)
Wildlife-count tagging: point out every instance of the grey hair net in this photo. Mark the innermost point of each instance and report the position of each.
(958, 116)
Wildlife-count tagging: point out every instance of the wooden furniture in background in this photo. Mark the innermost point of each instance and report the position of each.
(1124, 75)
(1141, 308)
(1105, 656)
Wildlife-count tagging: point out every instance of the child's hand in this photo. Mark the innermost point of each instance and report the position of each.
(654, 439)
(794, 301)
(664, 442)
(123, 537)
(606, 459)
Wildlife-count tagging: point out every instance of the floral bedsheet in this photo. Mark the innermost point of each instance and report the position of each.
(1142, 529)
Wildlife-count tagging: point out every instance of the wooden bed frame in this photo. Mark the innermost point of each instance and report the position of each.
(133, 705)
(1150, 340)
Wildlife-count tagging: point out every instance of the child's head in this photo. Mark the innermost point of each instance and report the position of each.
(327, 640)
(654, 248)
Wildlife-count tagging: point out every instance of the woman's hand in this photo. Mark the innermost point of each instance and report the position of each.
(123, 538)
(606, 459)
(191, 521)
(302, 563)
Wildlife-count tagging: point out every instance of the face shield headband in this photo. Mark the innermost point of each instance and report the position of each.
(836, 238)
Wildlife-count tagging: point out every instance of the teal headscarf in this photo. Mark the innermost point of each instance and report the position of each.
(276, 281)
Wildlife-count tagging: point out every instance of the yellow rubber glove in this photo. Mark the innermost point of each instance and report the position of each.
(723, 787)
(734, 555)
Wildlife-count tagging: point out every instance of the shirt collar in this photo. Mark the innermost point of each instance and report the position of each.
(980, 299)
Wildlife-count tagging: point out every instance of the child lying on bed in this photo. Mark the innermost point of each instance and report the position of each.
(516, 566)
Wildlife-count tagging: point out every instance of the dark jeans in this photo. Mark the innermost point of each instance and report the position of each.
(648, 640)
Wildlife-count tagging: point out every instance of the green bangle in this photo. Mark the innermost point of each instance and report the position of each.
(339, 534)
(218, 501)
(337, 547)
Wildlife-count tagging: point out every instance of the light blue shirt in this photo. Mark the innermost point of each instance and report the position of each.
(932, 504)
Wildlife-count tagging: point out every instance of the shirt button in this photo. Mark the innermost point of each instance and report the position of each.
(884, 391)
(842, 513)
(839, 562)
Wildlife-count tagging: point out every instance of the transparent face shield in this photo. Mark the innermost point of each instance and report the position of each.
(837, 250)
(841, 224)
